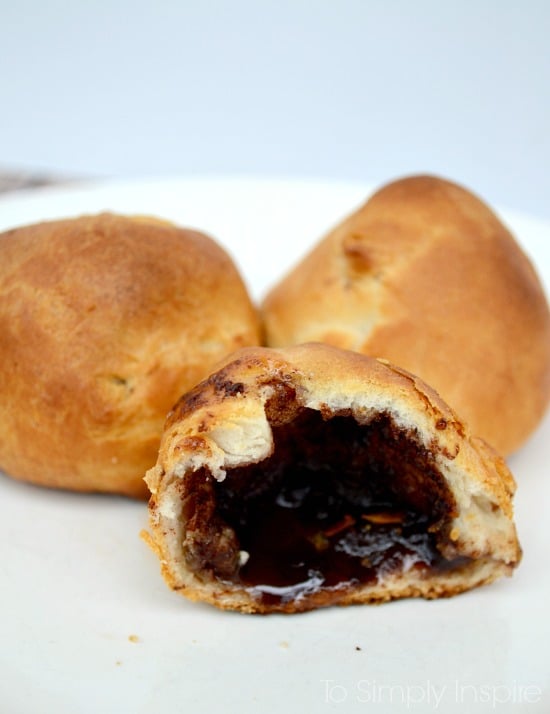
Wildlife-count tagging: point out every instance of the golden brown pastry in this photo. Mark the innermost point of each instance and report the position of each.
(304, 477)
(426, 275)
(104, 321)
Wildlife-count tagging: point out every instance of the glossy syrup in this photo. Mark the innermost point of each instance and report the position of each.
(308, 540)
(338, 504)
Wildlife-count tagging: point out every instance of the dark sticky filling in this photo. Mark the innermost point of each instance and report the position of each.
(337, 504)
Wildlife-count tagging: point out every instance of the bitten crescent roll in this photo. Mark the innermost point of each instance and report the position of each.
(104, 321)
(310, 476)
(425, 275)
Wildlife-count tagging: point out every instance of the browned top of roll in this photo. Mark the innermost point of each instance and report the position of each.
(104, 321)
(426, 275)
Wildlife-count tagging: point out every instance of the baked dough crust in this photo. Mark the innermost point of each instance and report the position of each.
(227, 422)
(104, 321)
(425, 275)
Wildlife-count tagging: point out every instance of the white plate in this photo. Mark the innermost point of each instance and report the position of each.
(87, 625)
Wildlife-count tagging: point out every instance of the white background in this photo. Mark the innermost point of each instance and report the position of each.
(334, 89)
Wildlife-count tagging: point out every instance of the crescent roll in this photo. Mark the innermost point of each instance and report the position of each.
(298, 478)
(104, 321)
(424, 274)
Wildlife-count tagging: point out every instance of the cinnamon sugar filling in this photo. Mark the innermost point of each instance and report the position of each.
(336, 505)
